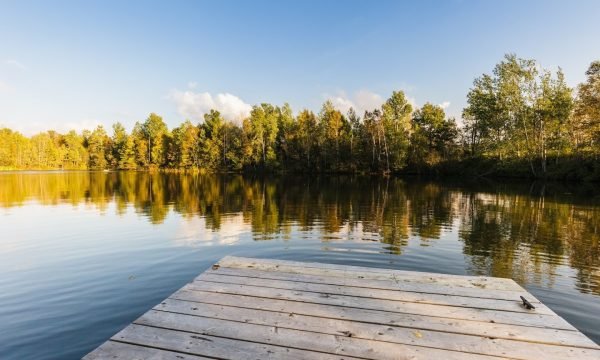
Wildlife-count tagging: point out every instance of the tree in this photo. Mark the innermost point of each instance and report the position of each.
(395, 128)
(261, 130)
(185, 143)
(45, 152)
(73, 152)
(213, 149)
(354, 133)
(585, 124)
(140, 140)
(519, 115)
(331, 124)
(233, 153)
(428, 121)
(373, 131)
(96, 146)
(519, 112)
(482, 116)
(306, 125)
(119, 141)
(155, 130)
(552, 109)
(14, 149)
(432, 136)
(127, 158)
(285, 135)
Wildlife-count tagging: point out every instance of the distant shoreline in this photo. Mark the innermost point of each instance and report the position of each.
(567, 169)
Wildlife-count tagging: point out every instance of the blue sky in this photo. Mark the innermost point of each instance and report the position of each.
(74, 64)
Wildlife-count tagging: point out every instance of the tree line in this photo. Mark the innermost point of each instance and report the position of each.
(521, 112)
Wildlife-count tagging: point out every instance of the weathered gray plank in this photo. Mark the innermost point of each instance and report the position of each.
(331, 344)
(369, 273)
(503, 317)
(211, 346)
(121, 351)
(359, 281)
(198, 299)
(437, 299)
(251, 308)
(407, 336)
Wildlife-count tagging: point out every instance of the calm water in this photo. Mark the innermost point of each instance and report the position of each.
(83, 254)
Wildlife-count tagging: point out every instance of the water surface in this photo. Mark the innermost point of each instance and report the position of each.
(83, 254)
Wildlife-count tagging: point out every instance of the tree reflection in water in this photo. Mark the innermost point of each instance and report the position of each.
(520, 231)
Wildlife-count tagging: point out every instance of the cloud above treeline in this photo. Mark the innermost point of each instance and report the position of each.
(360, 101)
(193, 105)
(365, 100)
(444, 105)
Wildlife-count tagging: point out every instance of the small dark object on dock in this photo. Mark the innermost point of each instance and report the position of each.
(527, 304)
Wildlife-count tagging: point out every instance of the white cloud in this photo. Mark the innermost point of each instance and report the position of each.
(366, 100)
(192, 84)
(342, 103)
(194, 105)
(15, 63)
(361, 101)
(444, 105)
(5, 88)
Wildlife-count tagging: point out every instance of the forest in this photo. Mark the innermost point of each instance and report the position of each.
(521, 120)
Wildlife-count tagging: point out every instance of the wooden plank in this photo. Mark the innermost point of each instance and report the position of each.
(198, 299)
(122, 351)
(358, 281)
(502, 317)
(332, 344)
(211, 346)
(406, 336)
(451, 300)
(369, 273)
(271, 309)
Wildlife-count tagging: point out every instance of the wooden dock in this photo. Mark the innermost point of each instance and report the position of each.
(245, 308)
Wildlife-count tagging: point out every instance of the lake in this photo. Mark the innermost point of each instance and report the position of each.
(82, 254)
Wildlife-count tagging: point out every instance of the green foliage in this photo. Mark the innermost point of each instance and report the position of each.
(433, 137)
(74, 154)
(304, 139)
(140, 141)
(213, 144)
(331, 134)
(585, 124)
(396, 129)
(261, 130)
(521, 111)
(126, 155)
(155, 130)
(118, 143)
(185, 146)
(519, 114)
(96, 145)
